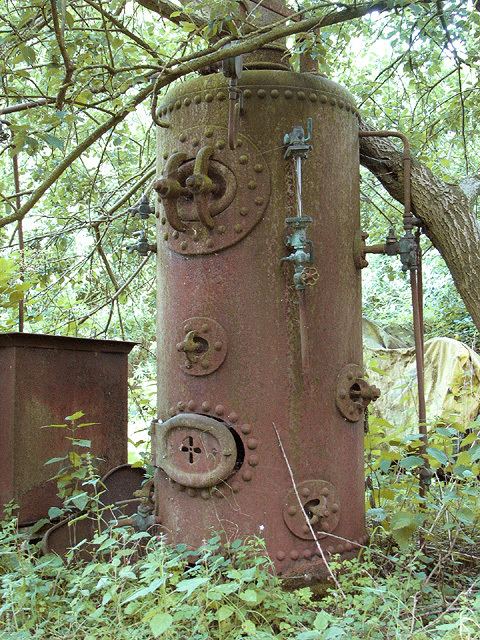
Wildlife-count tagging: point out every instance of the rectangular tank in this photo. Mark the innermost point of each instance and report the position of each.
(44, 379)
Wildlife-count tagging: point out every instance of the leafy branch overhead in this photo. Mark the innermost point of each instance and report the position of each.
(78, 81)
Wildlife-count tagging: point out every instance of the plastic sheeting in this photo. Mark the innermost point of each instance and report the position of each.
(452, 379)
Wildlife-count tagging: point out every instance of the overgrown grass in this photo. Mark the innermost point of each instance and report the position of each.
(137, 587)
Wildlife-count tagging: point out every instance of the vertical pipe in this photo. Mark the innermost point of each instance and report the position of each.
(21, 302)
(416, 286)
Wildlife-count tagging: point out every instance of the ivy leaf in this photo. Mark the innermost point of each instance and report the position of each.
(55, 512)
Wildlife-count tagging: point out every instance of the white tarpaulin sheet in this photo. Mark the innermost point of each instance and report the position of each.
(452, 379)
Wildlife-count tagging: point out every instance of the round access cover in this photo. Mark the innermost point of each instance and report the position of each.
(195, 450)
(319, 510)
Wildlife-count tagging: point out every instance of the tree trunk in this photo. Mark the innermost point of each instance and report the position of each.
(445, 210)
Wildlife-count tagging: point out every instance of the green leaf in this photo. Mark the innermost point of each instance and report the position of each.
(80, 500)
(250, 596)
(403, 525)
(224, 612)
(82, 443)
(322, 620)
(160, 623)
(75, 459)
(53, 141)
(410, 462)
(153, 586)
(53, 460)
(55, 512)
(188, 586)
(75, 416)
(438, 455)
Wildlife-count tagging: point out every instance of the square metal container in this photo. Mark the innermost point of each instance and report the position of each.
(44, 379)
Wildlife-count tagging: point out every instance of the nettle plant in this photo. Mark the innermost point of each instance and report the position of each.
(143, 588)
(451, 506)
(78, 482)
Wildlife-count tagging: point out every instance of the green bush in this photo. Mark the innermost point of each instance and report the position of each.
(137, 587)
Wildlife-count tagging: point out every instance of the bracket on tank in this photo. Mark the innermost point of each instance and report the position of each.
(353, 393)
(297, 148)
(232, 69)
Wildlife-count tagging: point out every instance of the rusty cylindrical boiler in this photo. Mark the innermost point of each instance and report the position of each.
(261, 394)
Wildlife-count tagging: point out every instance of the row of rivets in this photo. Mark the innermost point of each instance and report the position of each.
(294, 554)
(262, 93)
(233, 417)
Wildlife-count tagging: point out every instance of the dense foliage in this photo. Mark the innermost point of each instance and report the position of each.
(136, 586)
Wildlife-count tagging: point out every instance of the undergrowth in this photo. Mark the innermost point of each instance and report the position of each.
(135, 586)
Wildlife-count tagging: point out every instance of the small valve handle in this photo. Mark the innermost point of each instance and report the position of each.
(310, 276)
(201, 186)
(169, 189)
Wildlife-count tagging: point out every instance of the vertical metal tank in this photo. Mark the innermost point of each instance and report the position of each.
(232, 326)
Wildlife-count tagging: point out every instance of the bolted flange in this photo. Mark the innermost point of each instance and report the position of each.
(353, 393)
(202, 343)
(319, 510)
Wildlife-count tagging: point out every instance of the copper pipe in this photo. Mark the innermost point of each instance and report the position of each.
(375, 248)
(420, 289)
(407, 171)
(416, 286)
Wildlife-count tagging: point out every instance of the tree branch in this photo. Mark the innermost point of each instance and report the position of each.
(121, 27)
(165, 8)
(69, 66)
(219, 53)
(74, 154)
(444, 209)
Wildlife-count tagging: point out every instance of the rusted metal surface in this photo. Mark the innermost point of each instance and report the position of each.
(232, 273)
(353, 393)
(44, 379)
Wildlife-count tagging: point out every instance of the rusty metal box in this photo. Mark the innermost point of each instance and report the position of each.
(44, 379)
